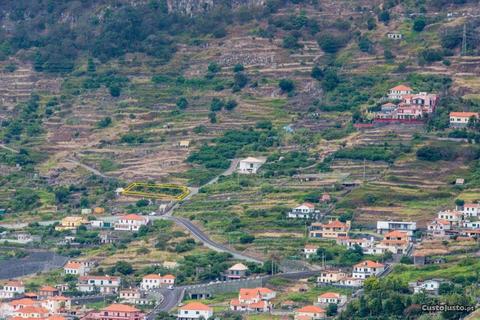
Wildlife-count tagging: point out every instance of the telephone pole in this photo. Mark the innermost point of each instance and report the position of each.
(464, 40)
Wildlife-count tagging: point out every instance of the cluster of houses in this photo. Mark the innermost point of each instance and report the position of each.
(354, 279)
(463, 221)
(405, 105)
(129, 222)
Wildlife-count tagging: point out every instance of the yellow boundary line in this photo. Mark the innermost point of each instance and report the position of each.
(129, 191)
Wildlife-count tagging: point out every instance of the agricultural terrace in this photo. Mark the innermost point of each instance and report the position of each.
(157, 191)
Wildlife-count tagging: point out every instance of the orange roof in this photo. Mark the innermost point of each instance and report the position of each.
(120, 308)
(369, 264)
(258, 305)
(330, 295)
(335, 224)
(23, 302)
(73, 265)
(196, 306)
(134, 217)
(59, 298)
(30, 294)
(48, 289)
(396, 234)
(33, 309)
(264, 290)
(442, 221)
(153, 276)
(169, 276)
(471, 205)
(99, 278)
(402, 88)
(14, 283)
(463, 114)
(309, 205)
(55, 318)
(311, 309)
(248, 293)
(311, 246)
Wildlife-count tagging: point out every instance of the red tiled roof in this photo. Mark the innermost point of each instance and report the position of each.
(335, 224)
(117, 307)
(33, 309)
(309, 205)
(330, 295)
(396, 234)
(369, 264)
(463, 114)
(134, 217)
(311, 309)
(48, 289)
(73, 265)
(23, 302)
(471, 205)
(196, 306)
(401, 88)
(153, 276)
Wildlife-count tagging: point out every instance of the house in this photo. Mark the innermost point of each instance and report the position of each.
(30, 312)
(471, 224)
(428, 286)
(48, 291)
(253, 300)
(325, 197)
(454, 217)
(130, 222)
(237, 271)
(461, 119)
(396, 242)
(155, 281)
(116, 311)
(184, 144)
(310, 313)
(98, 210)
(170, 264)
(304, 211)
(12, 289)
(330, 276)
(107, 237)
(331, 297)
(471, 209)
(76, 268)
(470, 233)
(394, 35)
(250, 165)
(350, 282)
(398, 92)
(332, 230)
(459, 181)
(101, 284)
(438, 227)
(367, 268)
(133, 296)
(71, 223)
(351, 243)
(86, 211)
(194, 310)
(57, 304)
(387, 226)
(310, 250)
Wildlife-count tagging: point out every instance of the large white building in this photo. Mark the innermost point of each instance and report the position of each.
(11, 289)
(131, 222)
(461, 119)
(367, 268)
(250, 165)
(194, 310)
(154, 281)
(304, 211)
(386, 226)
(101, 284)
(471, 209)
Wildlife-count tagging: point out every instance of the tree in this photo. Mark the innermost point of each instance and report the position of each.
(105, 122)
(332, 309)
(182, 103)
(419, 24)
(384, 16)
(214, 68)
(213, 117)
(290, 42)
(115, 91)
(286, 85)
(217, 104)
(317, 73)
(247, 238)
(231, 104)
(238, 68)
(459, 202)
(330, 43)
(122, 267)
(330, 79)
(388, 55)
(91, 68)
(240, 80)
(371, 23)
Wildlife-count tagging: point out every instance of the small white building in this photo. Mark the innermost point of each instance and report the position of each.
(194, 310)
(310, 250)
(101, 284)
(250, 165)
(394, 35)
(461, 119)
(331, 297)
(12, 289)
(367, 268)
(155, 281)
(237, 271)
(330, 276)
(304, 211)
(350, 282)
(131, 222)
(471, 209)
(471, 224)
(76, 268)
(428, 286)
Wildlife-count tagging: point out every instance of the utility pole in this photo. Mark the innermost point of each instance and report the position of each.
(464, 40)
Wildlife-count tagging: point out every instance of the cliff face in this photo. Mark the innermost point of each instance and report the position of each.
(192, 7)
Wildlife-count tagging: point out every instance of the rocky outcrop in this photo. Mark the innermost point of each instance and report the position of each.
(192, 7)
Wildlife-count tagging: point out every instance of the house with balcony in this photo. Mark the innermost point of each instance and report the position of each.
(367, 268)
(194, 311)
(100, 284)
(330, 276)
(332, 230)
(253, 300)
(386, 226)
(304, 211)
(438, 228)
(454, 217)
(331, 297)
(131, 222)
(250, 165)
(237, 271)
(310, 313)
(116, 311)
(471, 210)
(12, 289)
(397, 242)
(155, 281)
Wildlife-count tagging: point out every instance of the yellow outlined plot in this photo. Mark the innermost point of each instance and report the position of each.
(156, 191)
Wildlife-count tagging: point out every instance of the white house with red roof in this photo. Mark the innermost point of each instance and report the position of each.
(331, 297)
(76, 268)
(453, 216)
(11, 289)
(367, 268)
(101, 284)
(194, 310)
(57, 304)
(30, 312)
(310, 313)
(331, 230)
(461, 119)
(398, 92)
(310, 250)
(471, 209)
(130, 222)
(304, 211)
(438, 227)
(155, 281)
(397, 242)
(253, 300)
(237, 271)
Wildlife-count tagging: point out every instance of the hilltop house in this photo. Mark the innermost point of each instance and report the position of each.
(387, 226)
(71, 223)
(332, 297)
(12, 289)
(194, 310)
(253, 300)
(471, 209)
(454, 217)
(331, 230)
(310, 313)
(310, 250)
(461, 119)
(367, 268)
(250, 165)
(396, 242)
(237, 271)
(304, 211)
(116, 311)
(102, 284)
(130, 222)
(155, 281)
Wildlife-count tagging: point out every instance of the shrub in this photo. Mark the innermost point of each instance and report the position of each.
(182, 103)
(330, 43)
(286, 85)
(436, 153)
(246, 238)
(231, 104)
(419, 24)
